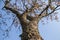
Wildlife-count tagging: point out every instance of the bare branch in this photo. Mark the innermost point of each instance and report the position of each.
(27, 11)
(12, 9)
(15, 11)
(53, 10)
(44, 15)
(44, 9)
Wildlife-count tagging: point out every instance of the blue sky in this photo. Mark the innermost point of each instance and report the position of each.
(49, 31)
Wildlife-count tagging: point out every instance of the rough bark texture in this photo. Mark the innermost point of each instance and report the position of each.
(30, 30)
(30, 24)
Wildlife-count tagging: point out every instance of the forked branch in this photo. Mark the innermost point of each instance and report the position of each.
(44, 14)
(12, 9)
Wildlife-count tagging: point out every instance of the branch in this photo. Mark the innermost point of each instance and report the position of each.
(27, 11)
(53, 10)
(44, 15)
(15, 11)
(12, 9)
(44, 9)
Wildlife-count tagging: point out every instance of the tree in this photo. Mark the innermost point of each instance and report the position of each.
(29, 18)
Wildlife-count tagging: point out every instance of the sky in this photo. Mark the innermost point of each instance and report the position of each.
(49, 31)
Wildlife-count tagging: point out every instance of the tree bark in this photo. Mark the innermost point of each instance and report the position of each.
(29, 25)
(30, 30)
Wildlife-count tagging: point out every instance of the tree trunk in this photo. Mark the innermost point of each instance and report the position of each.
(30, 30)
